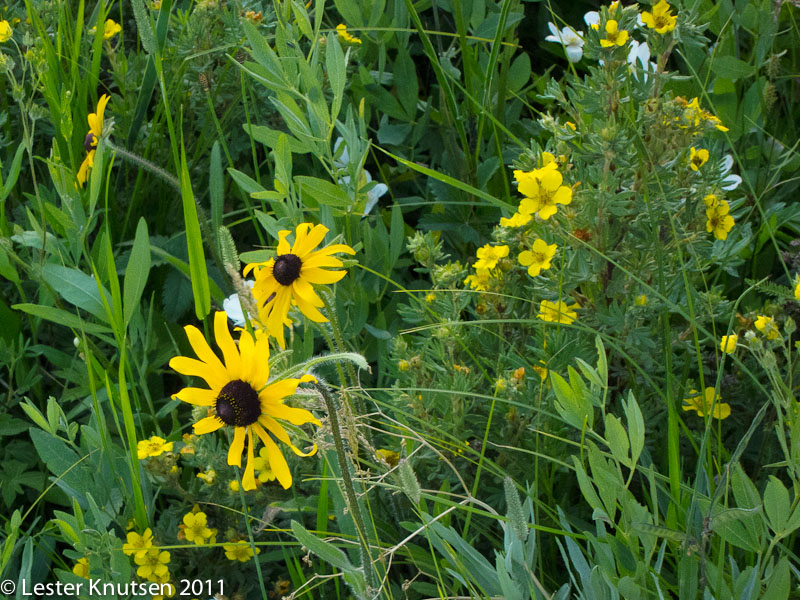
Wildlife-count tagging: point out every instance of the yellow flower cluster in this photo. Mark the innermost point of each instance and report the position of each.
(485, 266)
(542, 190)
(151, 562)
(694, 116)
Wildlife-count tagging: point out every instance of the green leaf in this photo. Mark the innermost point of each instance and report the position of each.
(730, 67)
(77, 288)
(337, 73)
(13, 173)
(635, 420)
(266, 57)
(194, 243)
(216, 187)
(405, 78)
(269, 137)
(324, 550)
(780, 582)
(248, 184)
(62, 317)
(137, 271)
(617, 440)
(323, 192)
(776, 505)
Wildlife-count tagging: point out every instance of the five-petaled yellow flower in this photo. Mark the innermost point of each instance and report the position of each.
(557, 312)
(240, 551)
(152, 564)
(697, 158)
(728, 343)
(90, 143)
(155, 446)
(480, 280)
(138, 544)
(766, 325)
(196, 529)
(5, 31)
(702, 404)
(542, 190)
(614, 35)
(719, 221)
(341, 29)
(289, 277)
(240, 397)
(538, 258)
(110, 29)
(488, 256)
(660, 19)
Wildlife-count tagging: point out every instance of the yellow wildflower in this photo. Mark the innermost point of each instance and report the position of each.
(557, 312)
(719, 221)
(702, 404)
(155, 446)
(542, 190)
(5, 31)
(538, 258)
(766, 325)
(196, 530)
(152, 564)
(660, 19)
(614, 35)
(240, 551)
(711, 200)
(210, 476)
(138, 544)
(488, 256)
(110, 29)
(797, 289)
(81, 568)
(479, 281)
(341, 29)
(728, 343)
(697, 158)
(516, 220)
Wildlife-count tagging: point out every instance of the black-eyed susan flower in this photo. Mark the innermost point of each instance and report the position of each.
(661, 19)
(542, 190)
(702, 404)
(697, 158)
(196, 528)
(81, 568)
(289, 278)
(538, 258)
(155, 446)
(240, 397)
(614, 35)
(719, 222)
(5, 31)
(138, 544)
(728, 343)
(557, 312)
(489, 255)
(90, 143)
(341, 30)
(240, 551)
(766, 325)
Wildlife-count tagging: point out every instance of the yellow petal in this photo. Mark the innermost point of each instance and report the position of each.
(295, 416)
(279, 432)
(195, 368)
(197, 396)
(303, 289)
(233, 362)
(310, 311)
(249, 479)
(275, 392)
(203, 350)
(276, 460)
(306, 244)
(207, 425)
(96, 119)
(321, 276)
(237, 447)
(283, 245)
(280, 309)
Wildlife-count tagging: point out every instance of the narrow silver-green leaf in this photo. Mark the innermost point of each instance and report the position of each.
(137, 271)
(194, 243)
(324, 550)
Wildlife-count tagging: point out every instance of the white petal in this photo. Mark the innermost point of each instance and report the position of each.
(592, 18)
(574, 53)
(233, 308)
(731, 182)
(726, 164)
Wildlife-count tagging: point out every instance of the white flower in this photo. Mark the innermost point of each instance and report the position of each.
(640, 52)
(233, 306)
(592, 19)
(569, 38)
(730, 182)
(342, 162)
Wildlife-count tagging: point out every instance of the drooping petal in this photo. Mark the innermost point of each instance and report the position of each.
(190, 367)
(196, 396)
(202, 349)
(237, 447)
(96, 119)
(207, 425)
(283, 245)
(276, 460)
(279, 432)
(304, 246)
(233, 362)
(300, 233)
(278, 314)
(310, 311)
(249, 478)
(83, 171)
(302, 289)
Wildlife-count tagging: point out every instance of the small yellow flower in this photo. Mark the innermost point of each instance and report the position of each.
(390, 457)
(660, 19)
(641, 300)
(263, 467)
(702, 404)
(614, 35)
(516, 220)
(233, 485)
(518, 374)
(542, 190)
(572, 126)
(341, 29)
(488, 256)
(138, 544)
(711, 201)
(155, 446)
(240, 551)
(797, 289)
(540, 369)
(697, 158)
(766, 325)
(155, 5)
(110, 29)
(461, 369)
(430, 297)
(719, 221)
(403, 365)
(81, 568)
(538, 258)
(5, 31)
(152, 563)
(479, 281)
(210, 476)
(728, 343)
(197, 530)
(557, 312)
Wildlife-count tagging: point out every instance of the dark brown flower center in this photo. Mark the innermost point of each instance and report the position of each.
(90, 142)
(238, 404)
(287, 268)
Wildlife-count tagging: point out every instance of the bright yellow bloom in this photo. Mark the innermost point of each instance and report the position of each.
(196, 530)
(614, 35)
(728, 343)
(572, 126)
(81, 568)
(264, 471)
(240, 551)
(341, 29)
(766, 325)
(797, 289)
(660, 19)
(152, 564)
(289, 278)
(233, 485)
(516, 220)
(540, 369)
(488, 256)
(542, 190)
(702, 404)
(253, 16)
(209, 477)
(479, 281)
(538, 258)
(240, 397)
(5, 31)
(138, 544)
(697, 158)
(390, 457)
(90, 143)
(155, 446)
(557, 312)
(110, 29)
(711, 201)
(719, 221)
